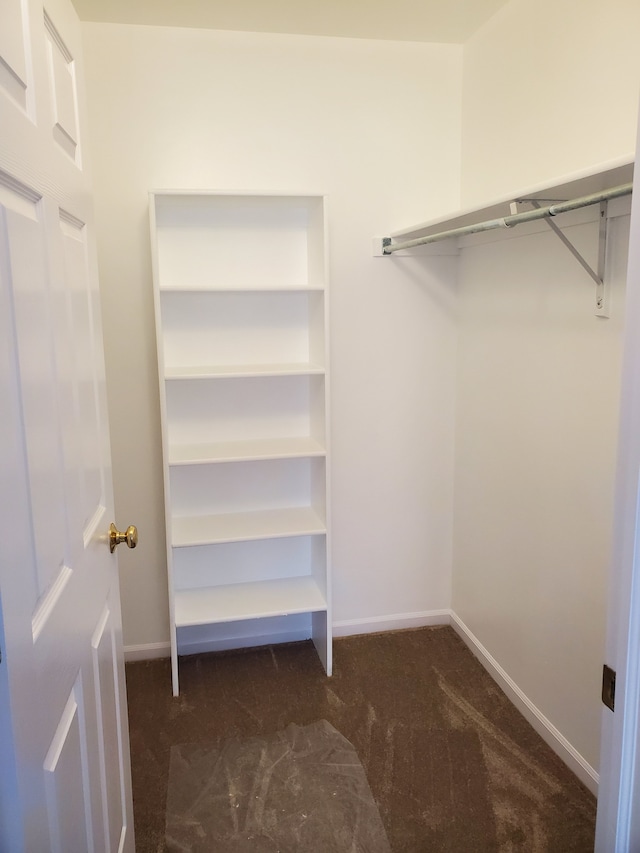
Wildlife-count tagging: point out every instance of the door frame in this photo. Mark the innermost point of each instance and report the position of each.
(618, 818)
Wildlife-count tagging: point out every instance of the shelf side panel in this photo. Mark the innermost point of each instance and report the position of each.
(317, 254)
(322, 640)
(156, 273)
(317, 324)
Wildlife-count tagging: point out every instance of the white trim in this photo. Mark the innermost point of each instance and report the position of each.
(549, 733)
(150, 651)
(346, 628)
(18, 196)
(395, 622)
(57, 38)
(618, 818)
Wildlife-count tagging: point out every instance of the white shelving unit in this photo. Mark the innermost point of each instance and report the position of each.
(241, 324)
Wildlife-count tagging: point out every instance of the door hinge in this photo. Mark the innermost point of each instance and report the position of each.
(608, 686)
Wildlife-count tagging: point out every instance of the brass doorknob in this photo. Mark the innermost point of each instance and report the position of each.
(130, 536)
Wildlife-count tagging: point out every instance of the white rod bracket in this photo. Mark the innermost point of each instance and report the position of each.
(603, 292)
(378, 246)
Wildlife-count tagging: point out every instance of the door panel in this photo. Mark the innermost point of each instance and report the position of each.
(62, 90)
(29, 285)
(104, 645)
(66, 771)
(13, 54)
(65, 782)
(83, 434)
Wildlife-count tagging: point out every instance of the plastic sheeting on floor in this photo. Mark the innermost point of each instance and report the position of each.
(301, 789)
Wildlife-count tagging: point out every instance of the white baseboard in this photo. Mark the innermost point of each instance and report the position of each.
(398, 621)
(547, 731)
(149, 651)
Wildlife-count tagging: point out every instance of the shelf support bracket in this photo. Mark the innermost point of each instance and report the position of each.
(602, 308)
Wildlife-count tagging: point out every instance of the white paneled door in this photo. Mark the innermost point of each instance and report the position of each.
(64, 754)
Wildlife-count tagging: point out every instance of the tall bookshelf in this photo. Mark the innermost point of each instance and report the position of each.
(241, 308)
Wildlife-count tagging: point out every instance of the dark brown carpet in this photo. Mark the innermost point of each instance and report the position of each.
(452, 764)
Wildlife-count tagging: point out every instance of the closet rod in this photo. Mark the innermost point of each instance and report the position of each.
(514, 219)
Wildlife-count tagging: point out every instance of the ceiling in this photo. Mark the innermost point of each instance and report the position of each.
(448, 21)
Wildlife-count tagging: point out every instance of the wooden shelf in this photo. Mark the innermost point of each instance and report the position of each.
(245, 526)
(260, 600)
(234, 371)
(245, 451)
(241, 307)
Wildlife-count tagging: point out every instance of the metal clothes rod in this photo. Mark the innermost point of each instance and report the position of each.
(515, 219)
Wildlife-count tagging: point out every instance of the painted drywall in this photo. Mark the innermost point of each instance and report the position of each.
(551, 88)
(537, 414)
(375, 126)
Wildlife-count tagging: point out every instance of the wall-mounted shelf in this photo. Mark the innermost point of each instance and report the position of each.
(570, 187)
(241, 320)
(537, 205)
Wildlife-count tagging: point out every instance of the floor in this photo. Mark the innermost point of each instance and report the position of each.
(452, 765)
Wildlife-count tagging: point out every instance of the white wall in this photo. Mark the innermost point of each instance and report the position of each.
(537, 414)
(551, 88)
(376, 126)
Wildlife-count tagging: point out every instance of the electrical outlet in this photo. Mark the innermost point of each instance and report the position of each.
(608, 686)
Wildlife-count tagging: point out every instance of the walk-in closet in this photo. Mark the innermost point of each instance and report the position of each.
(361, 276)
